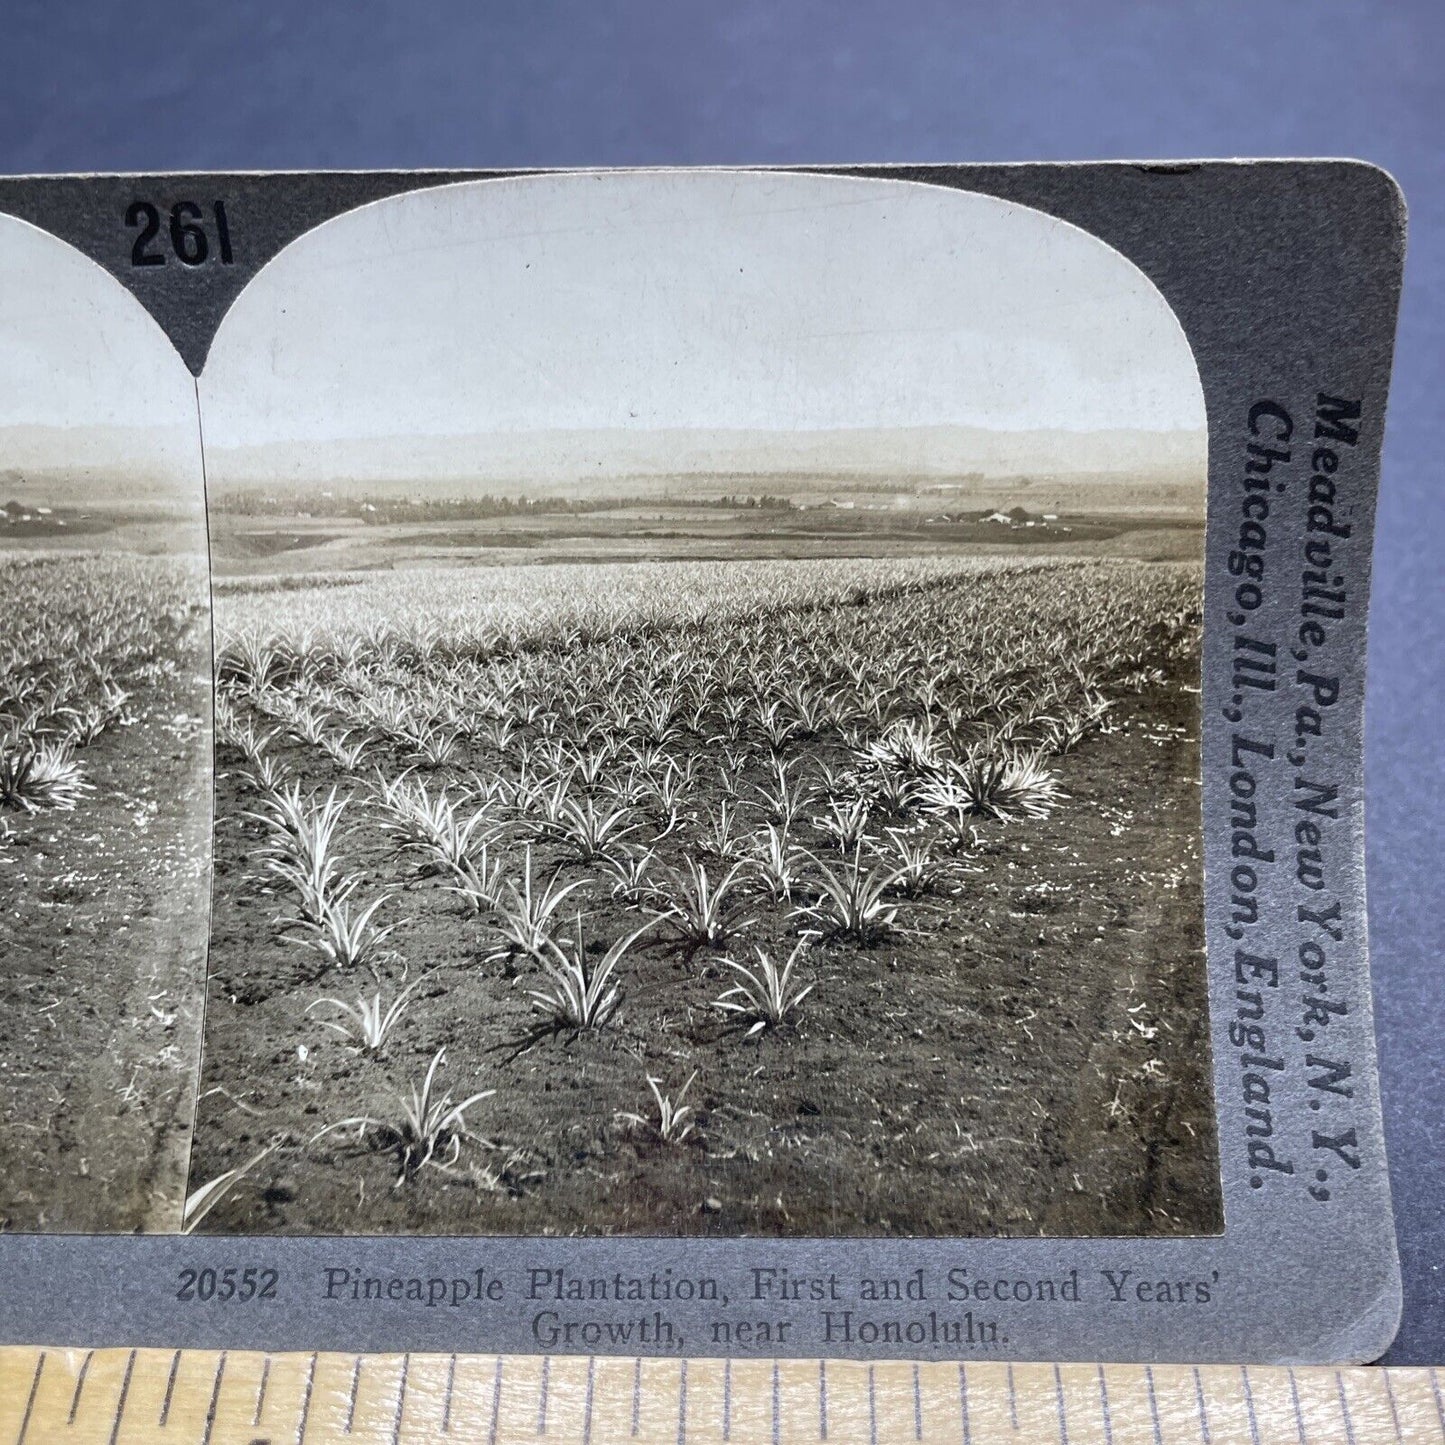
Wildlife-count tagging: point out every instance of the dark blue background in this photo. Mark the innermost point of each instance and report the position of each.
(151, 87)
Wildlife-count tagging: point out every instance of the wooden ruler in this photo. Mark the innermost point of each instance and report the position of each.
(199, 1397)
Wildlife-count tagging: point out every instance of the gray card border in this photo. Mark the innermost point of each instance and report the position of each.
(1285, 276)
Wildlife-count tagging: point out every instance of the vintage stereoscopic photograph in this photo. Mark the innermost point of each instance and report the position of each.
(707, 722)
(105, 750)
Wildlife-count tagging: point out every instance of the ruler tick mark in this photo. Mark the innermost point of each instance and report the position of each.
(1249, 1404)
(306, 1400)
(447, 1397)
(682, 1405)
(400, 1399)
(1299, 1418)
(1059, 1402)
(963, 1404)
(215, 1397)
(261, 1391)
(636, 1396)
(351, 1398)
(1199, 1403)
(1439, 1404)
(777, 1404)
(822, 1399)
(1104, 1413)
(917, 1407)
(872, 1409)
(727, 1421)
(170, 1390)
(496, 1402)
(79, 1386)
(1153, 1404)
(1345, 1409)
(542, 1395)
(124, 1392)
(1013, 1404)
(1394, 1409)
(30, 1400)
(587, 1403)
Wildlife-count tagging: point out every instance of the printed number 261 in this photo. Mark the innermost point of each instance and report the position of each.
(189, 231)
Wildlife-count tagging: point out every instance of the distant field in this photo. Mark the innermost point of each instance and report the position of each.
(506, 607)
(269, 545)
(153, 531)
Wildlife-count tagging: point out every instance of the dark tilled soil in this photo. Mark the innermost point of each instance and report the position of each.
(1030, 1059)
(102, 936)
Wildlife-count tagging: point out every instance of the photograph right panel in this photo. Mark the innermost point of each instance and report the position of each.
(707, 722)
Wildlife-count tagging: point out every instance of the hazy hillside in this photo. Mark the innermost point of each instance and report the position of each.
(561, 461)
(97, 465)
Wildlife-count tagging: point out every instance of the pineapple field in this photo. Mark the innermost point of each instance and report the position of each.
(780, 897)
(105, 773)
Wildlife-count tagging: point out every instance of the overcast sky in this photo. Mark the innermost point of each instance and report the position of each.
(707, 300)
(78, 352)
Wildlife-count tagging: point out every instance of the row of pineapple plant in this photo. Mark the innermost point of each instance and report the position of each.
(825, 750)
(85, 636)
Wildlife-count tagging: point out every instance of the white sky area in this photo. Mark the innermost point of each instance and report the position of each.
(650, 302)
(89, 384)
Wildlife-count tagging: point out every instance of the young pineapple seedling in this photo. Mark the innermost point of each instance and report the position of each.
(425, 1127)
(845, 824)
(765, 994)
(583, 994)
(673, 1123)
(629, 871)
(478, 880)
(367, 1022)
(720, 836)
(785, 800)
(1003, 786)
(47, 776)
(345, 753)
(348, 939)
(775, 861)
(703, 913)
(453, 841)
(592, 832)
(665, 792)
(909, 748)
(434, 746)
(316, 886)
(853, 904)
(524, 914)
(920, 871)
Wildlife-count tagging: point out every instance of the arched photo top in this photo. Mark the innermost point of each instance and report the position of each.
(96, 407)
(536, 330)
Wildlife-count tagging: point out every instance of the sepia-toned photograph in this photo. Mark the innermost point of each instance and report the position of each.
(707, 723)
(105, 750)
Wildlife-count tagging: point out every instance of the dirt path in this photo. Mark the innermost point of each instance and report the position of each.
(103, 978)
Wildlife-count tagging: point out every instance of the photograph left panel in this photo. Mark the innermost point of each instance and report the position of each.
(105, 750)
